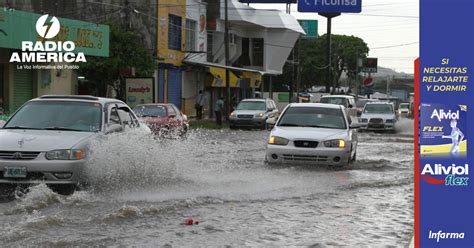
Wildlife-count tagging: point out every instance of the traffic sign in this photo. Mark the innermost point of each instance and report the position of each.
(268, 1)
(310, 27)
(330, 6)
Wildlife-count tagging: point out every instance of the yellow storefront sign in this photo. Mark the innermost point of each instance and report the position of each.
(219, 78)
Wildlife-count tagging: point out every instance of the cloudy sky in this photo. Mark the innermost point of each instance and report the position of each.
(389, 27)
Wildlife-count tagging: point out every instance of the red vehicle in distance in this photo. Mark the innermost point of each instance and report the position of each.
(164, 119)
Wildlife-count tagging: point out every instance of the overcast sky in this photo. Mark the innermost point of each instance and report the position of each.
(389, 27)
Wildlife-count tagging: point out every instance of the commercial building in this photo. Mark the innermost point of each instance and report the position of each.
(259, 43)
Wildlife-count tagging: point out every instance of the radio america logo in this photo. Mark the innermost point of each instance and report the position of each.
(453, 175)
(47, 27)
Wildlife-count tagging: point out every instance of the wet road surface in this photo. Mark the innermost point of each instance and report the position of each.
(142, 194)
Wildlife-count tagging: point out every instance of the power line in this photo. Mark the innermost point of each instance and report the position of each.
(399, 45)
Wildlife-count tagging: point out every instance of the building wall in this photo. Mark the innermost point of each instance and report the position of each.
(165, 8)
(62, 82)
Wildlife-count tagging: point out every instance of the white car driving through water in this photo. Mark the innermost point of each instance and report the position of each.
(313, 133)
(47, 139)
(378, 116)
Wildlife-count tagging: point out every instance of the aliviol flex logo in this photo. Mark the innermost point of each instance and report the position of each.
(453, 175)
(48, 51)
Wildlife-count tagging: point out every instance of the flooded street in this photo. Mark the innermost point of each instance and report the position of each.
(142, 195)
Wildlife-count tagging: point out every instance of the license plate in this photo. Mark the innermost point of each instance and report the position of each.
(15, 172)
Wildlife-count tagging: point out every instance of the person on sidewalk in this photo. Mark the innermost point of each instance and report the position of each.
(218, 108)
(200, 100)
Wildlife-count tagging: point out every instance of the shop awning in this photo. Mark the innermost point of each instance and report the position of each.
(239, 77)
(219, 78)
(208, 64)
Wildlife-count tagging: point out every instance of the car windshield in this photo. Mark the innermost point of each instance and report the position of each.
(313, 117)
(404, 105)
(378, 109)
(58, 115)
(335, 100)
(361, 103)
(251, 105)
(150, 111)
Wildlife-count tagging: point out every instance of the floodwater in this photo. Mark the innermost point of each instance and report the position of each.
(142, 193)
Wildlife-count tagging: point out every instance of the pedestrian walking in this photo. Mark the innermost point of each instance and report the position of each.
(199, 105)
(218, 110)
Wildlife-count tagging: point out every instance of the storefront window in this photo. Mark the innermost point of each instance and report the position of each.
(190, 35)
(174, 32)
(257, 52)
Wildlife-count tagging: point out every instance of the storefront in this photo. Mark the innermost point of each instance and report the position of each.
(18, 81)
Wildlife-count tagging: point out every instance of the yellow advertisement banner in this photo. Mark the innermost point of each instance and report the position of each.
(219, 78)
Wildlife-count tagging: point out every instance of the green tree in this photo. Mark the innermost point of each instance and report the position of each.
(126, 51)
(345, 52)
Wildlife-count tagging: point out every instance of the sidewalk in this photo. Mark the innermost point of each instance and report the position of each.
(206, 123)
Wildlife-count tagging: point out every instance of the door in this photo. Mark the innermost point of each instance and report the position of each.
(161, 85)
(174, 87)
(22, 87)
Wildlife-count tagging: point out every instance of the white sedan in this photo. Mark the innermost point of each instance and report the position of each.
(312, 133)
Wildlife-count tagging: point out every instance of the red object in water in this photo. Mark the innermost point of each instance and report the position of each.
(189, 222)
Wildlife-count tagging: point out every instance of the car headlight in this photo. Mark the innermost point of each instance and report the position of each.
(363, 120)
(233, 114)
(275, 140)
(65, 154)
(260, 115)
(338, 143)
(389, 121)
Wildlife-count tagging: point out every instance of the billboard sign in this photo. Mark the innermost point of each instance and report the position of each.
(330, 6)
(267, 1)
(370, 65)
(18, 26)
(139, 91)
(310, 27)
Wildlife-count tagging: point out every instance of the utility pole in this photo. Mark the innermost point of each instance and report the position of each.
(329, 17)
(227, 76)
(298, 73)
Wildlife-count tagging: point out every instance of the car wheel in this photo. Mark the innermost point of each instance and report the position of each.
(183, 132)
(63, 189)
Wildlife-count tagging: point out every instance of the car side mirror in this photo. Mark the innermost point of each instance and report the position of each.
(2, 123)
(270, 122)
(114, 128)
(350, 106)
(171, 116)
(355, 125)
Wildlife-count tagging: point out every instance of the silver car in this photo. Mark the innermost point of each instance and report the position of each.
(313, 133)
(378, 116)
(46, 140)
(253, 113)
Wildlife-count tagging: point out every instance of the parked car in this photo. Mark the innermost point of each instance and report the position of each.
(164, 119)
(378, 116)
(253, 113)
(47, 139)
(404, 109)
(313, 133)
(360, 104)
(347, 101)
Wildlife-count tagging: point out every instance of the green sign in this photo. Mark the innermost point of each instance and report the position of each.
(283, 97)
(89, 38)
(310, 27)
